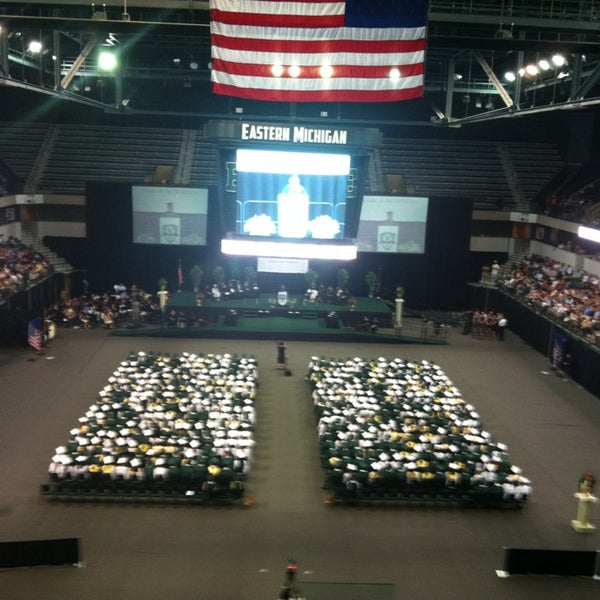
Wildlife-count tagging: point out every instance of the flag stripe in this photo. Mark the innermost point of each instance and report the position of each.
(251, 36)
(343, 72)
(369, 95)
(226, 58)
(277, 20)
(329, 34)
(327, 47)
(294, 85)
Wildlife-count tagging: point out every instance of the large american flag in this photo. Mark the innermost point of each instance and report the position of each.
(319, 50)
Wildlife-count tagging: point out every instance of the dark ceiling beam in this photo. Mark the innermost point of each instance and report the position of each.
(435, 42)
(156, 4)
(17, 22)
(508, 21)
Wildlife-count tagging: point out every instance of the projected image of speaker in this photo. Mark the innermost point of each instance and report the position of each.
(280, 202)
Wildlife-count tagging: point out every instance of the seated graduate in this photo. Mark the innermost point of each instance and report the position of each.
(311, 294)
(215, 292)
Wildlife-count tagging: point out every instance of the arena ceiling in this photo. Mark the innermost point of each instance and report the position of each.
(164, 58)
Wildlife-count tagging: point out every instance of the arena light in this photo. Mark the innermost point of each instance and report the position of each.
(544, 65)
(270, 249)
(35, 47)
(107, 61)
(294, 71)
(510, 76)
(532, 70)
(326, 71)
(587, 233)
(559, 60)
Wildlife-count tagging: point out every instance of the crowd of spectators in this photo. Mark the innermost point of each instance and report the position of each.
(575, 206)
(20, 266)
(400, 429)
(568, 295)
(182, 423)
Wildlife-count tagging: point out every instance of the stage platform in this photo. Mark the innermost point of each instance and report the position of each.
(262, 318)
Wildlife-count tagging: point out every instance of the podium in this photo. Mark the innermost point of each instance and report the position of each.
(582, 523)
(398, 314)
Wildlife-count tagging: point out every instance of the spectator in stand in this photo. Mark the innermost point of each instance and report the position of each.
(20, 266)
(568, 295)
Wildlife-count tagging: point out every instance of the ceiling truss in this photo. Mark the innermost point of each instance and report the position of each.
(164, 47)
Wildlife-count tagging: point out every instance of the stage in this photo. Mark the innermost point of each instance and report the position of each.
(260, 317)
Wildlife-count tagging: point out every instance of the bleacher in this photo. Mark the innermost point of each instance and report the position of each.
(62, 158)
(535, 165)
(204, 163)
(100, 153)
(20, 144)
(446, 168)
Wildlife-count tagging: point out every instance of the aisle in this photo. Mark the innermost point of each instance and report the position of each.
(286, 475)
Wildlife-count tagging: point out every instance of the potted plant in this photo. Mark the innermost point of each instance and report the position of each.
(219, 275)
(311, 277)
(342, 278)
(371, 279)
(587, 482)
(196, 276)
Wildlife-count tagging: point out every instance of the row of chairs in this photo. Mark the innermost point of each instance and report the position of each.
(143, 491)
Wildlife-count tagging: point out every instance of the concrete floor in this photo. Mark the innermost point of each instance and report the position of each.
(551, 426)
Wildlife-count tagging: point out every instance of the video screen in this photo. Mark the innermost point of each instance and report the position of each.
(392, 224)
(291, 195)
(169, 215)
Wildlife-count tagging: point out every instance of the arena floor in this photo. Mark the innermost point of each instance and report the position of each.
(551, 427)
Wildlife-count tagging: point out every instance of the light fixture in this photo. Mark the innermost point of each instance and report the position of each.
(35, 46)
(176, 61)
(277, 70)
(107, 61)
(394, 73)
(478, 102)
(294, 71)
(544, 64)
(559, 60)
(588, 233)
(324, 113)
(457, 76)
(510, 76)
(522, 72)
(193, 65)
(562, 75)
(326, 71)
(489, 104)
(532, 70)
(239, 110)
